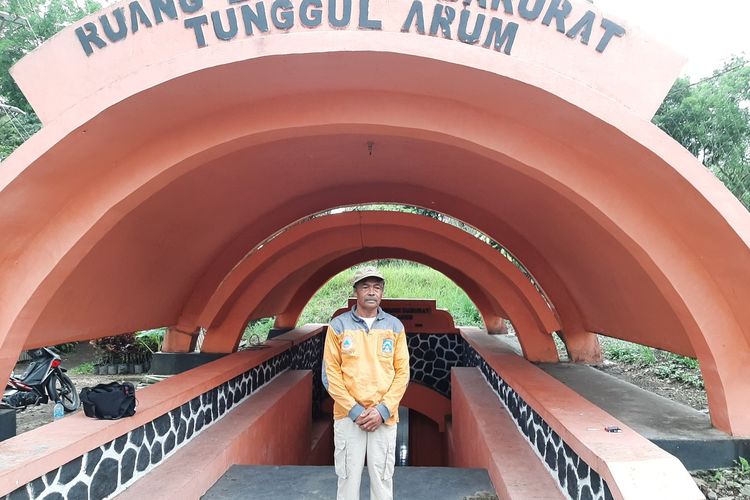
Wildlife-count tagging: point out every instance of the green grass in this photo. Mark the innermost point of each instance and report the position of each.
(406, 279)
(403, 280)
(663, 364)
(257, 330)
(627, 352)
(86, 368)
(743, 466)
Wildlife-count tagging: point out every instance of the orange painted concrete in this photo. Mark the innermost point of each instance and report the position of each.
(36, 452)
(634, 70)
(450, 450)
(428, 402)
(321, 447)
(484, 436)
(632, 466)
(426, 442)
(153, 165)
(265, 282)
(417, 315)
(249, 434)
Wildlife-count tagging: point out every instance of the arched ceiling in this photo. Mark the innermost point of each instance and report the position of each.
(282, 276)
(159, 244)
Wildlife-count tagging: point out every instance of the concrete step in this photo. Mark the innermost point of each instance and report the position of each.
(259, 482)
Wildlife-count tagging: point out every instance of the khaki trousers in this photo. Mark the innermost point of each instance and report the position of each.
(351, 445)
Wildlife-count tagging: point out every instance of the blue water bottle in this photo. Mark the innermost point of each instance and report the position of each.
(58, 411)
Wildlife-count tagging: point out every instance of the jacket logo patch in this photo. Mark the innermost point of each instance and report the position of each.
(387, 347)
(347, 344)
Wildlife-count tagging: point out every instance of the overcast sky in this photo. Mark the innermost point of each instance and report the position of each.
(708, 32)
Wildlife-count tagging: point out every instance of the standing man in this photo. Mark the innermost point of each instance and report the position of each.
(365, 370)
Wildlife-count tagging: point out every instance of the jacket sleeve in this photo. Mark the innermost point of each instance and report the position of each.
(395, 393)
(333, 379)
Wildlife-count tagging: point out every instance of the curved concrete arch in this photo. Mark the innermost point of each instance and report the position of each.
(493, 311)
(254, 303)
(582, 346)
(104, 236)
(296, 304)
(428, 402)
(265, 282)
(483, 225)
(362, 227)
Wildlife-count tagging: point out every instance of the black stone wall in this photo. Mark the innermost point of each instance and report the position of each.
(110, 468)
(431, 357)
(576, 479)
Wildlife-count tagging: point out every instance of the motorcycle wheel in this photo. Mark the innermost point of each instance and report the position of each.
(60, 387)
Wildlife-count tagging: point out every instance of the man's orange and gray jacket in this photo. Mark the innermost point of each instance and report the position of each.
(365, 367)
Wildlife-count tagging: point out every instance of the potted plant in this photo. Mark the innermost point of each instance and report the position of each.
(114, 351)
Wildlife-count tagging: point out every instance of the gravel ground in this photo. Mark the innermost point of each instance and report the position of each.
(34, 416)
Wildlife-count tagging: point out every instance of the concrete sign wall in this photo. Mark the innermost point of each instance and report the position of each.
(116, 52)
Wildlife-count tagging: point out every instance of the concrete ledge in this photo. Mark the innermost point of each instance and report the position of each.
(674, 427)
(632, 466)
(271, 427)
(484, 435)
(701, 454)
(46, 448)
(428, 402)
(275, 332)
(7, 424)
(172, 363)
(321, 445)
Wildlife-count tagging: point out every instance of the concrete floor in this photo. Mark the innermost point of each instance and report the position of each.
(259, 482)
(677, 428)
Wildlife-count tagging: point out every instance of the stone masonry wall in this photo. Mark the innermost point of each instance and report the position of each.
(576, 479)
(111, 467)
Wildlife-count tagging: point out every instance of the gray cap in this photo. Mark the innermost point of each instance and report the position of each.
(366, 272)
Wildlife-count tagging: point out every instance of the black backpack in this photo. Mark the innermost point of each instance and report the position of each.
(109, 401)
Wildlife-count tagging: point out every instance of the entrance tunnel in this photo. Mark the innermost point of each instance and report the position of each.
(175, 183)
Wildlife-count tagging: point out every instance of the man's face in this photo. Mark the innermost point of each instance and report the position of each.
(369, 293)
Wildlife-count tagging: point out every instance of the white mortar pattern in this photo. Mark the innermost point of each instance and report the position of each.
(190, 415)
(579, 481)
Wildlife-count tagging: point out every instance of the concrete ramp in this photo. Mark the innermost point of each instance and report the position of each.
(258, 482)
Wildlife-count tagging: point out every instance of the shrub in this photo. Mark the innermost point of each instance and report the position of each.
(119, 349)
(150, 340)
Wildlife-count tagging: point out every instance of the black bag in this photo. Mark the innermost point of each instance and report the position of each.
(109, 401)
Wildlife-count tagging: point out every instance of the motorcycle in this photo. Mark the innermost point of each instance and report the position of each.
(43, 380)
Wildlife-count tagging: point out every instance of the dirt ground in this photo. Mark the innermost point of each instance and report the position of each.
(34, 416)
(643, 378)
(722, 484)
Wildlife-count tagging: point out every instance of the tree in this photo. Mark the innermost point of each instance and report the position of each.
(711, 119)
(15, 128)
(23, 27)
